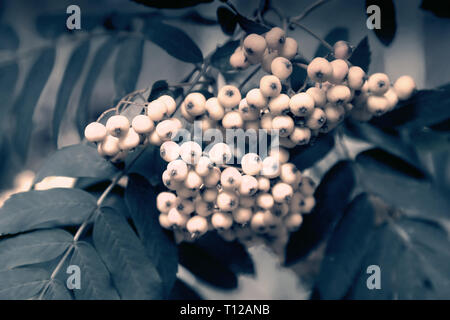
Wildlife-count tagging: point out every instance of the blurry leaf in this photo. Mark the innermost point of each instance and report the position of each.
(196, 18)
(133, 273)
(400, 184)
(171, 4)
(77, 160)
(10, 73)
(345, 249)
(388, 22)
(441, 126)
(181, 291)
(99, 60)
(71, 75)
(33, 247)
(173, 40)
(22, 284)
(426, 107)
(437, 7)
(96, 283)
(233, 254)
(162, 251)
(56, 291)
(45, 209)
(306, 156)
(335, 35)
(250, 26)
(127, 69)
(389, 142)
(29, 96)
(51, 26)
(159, 88)
(430, 140)
(206, 267)
(332, 196)
(361, 55)
(227, 20)
(10, 39)
(297, 77)
(221, 57)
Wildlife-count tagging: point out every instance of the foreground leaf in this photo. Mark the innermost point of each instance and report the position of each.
(250, 26)
(133, 273)
(162, 251)
(221, 57)
(45, 209)
(76, 161)
(332, 196)
(56, 290)
(33, 247)
(22, 284)
(336, 34)
(227, 20)
(306, 156)
(96, 283)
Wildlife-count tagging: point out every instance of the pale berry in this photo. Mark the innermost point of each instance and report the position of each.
(308, 204)
(248, 186)
(214, 109)
(255, 99)
(178, 170)
(301, 135)
(378, 84)
(213, 178)
(193, 180)
(319, 96)
(142, 124)
(377, 105)
(190, 152)
(267, 60)
(340, 71)
(290, 174)
(293, 221)
(281, 68)
(156, 110)
(251, 164)
(275, 38)
(284, 124)
(165, 201)
(197, 225)
(110, 146)
(95, 132)
(117, 126)
(164, 221)
(282, 192)
(265, 201)
(176, 218)
(238, 59)
(230, 178)
(129, 141)
(271, 167)
(195, 103)
(342, 50)
(222, 220)
(242, 215)
(356, 78)
(229, 96)
(279, 105)
(317, 119)
(232, 120)
(339, 94)
(404, 87)
(227, 201)
(209, 194)
(281, 154)
(392, 98)
(220, 153)
(270, 86)
(169, 102)
(248, 113)
(319, 70)
(302, 104)
(307, 186)
(289, 48)
(254, 45)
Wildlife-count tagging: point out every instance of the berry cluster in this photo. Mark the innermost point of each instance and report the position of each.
(259, 199)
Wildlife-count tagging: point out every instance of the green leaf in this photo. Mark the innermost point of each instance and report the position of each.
(96, 283)
(33, 247)
(134, 274)
(10, 39)
(250, 26)
(56, 291)
(332, 196)
(99, 60)
(426, 107)
(171, 4)
(159, 88)
(227, 20)
(77, 161)
(162, 251)
(22, 284)
(173, 40)
(306, 156)
(181, 291)
(361, 55)
(297, 77)
(206, 267)
(335, 35)
(400, 185)
(386, 33)
(126, 70)
(71, 75)
(45, 209)
(221, 57)
(149, 165)
(28, 98)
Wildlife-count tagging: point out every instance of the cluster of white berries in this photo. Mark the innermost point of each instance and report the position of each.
(263, 198)
(119, 135)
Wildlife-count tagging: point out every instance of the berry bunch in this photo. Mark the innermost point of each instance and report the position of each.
(262, 198)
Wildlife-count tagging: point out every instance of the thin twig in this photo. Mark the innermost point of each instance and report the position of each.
(249, 77)
(308, 10)
(325, 43)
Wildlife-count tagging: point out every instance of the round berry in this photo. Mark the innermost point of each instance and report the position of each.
(204, 166)
(166, 129)
(248, 113)
(186, 115)
(110, 146)
(186, 193)
(154, 139)
(275, 38)
(378, 84)
(342, 50)
(164, 221)
(170, 103)
(319, 70)
(270, 86)
(267, 60)
(290, 174)
(238, 59)
(222, 221)
(404, 87)
(319, 96)
(263, 184)
(193, 180)
(165, 201)
(232, 120)
(281, 154)
(284, 124)
(308, 204)
(168, 182)
(229, 96)
(203, 208)
(185, 206)
(176, 218)
(301, 136)
(266, 121)
(293, 221)
(255, 99)
(214, 109)
(190, 152)
(301, 104)
(377, 105)
(227, 201)
(248, 186)
(247, 202)
(339, 94)
(271, 167)
(95, 132)
(178, 170)
(340, 71)
(257, 223)
(157, 110)
(220, 153)
(254, 45)
(230, 178)
(251, 164)
(307, 186)
(334, 113)
(265, 201)
(197, 225)
(209, 194)
(279, 105)
(142, 124)
(281, 68)
(356, 78)
(242, 215)
(289, 48)
(282, 192)
(117, 126)
(195, 104)
(213, 178)
(129, 141)
(317, 119)
(392, 98)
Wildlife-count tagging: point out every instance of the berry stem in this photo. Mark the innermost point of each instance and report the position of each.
(249, 77)
(325, 43)
(308, 10)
